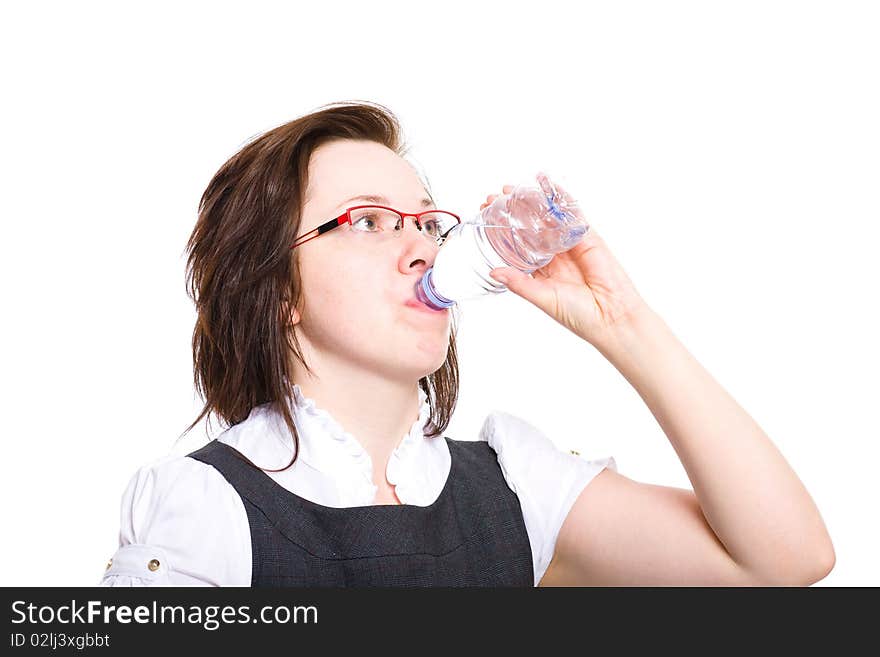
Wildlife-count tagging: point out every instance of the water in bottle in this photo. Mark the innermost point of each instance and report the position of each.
(523, 229)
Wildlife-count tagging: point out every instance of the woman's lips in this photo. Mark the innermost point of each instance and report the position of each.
(415, 304)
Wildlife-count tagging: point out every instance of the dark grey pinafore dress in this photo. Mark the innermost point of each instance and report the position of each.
(473, 534)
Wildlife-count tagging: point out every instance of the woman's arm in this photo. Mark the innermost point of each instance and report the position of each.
(749, 519)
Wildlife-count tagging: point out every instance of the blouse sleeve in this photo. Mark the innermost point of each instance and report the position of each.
(546, 479)
(182, 524)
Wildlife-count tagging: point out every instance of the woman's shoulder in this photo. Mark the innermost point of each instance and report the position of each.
(179, 510)
(177, 485)
(547, 478)
(504, 430)
(516, 439)
(169, 476)
(175, 482)
(528, 457)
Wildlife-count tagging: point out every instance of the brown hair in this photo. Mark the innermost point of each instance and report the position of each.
(243, 278)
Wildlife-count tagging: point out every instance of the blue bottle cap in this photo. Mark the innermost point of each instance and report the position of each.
(428, 295)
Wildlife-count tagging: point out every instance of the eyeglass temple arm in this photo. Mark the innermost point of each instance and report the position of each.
(323, 228)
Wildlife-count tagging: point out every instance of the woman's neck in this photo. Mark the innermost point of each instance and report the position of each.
(376, 411)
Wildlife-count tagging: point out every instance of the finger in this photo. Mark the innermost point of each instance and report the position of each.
(549, 187)
(557, 192)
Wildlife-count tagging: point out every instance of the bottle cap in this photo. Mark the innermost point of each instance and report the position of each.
(426, 293)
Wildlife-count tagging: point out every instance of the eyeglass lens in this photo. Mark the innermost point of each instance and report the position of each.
(435, 225)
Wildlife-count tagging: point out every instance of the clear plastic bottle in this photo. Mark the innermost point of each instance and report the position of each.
(523, 229)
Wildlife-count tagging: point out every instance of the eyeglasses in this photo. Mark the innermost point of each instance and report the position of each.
(381, 220)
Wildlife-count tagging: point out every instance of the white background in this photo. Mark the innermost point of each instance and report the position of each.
(729, 153)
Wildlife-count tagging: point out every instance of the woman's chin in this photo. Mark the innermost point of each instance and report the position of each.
(429, 355)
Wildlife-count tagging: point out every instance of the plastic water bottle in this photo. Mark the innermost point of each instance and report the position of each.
(523, 229)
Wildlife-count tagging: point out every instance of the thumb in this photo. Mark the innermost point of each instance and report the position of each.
(523, 285)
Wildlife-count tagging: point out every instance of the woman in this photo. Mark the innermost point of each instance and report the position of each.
(337, 387)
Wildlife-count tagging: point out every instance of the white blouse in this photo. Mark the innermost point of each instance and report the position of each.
(183, 524)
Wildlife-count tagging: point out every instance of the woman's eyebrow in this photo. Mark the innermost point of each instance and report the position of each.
(377, 198)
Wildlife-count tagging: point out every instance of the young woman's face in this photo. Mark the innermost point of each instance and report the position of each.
(356, 285)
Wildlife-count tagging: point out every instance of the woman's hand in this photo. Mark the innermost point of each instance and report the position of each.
(584, 288)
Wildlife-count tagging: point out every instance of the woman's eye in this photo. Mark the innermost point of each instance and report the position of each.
(362, 222)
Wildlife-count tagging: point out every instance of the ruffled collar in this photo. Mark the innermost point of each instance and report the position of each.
(324, 442)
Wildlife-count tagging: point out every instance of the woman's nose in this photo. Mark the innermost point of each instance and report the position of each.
(416, 249)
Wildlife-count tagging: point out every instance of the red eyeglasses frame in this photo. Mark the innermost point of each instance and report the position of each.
(345, 218)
